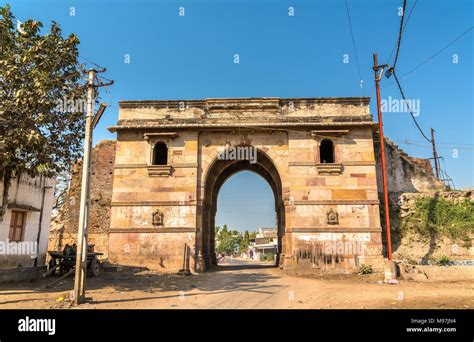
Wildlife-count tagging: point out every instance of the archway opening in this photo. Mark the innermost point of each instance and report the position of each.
(246, 233)
(218, 173)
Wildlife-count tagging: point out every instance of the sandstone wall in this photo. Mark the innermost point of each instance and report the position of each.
(140, 191)
(309, 192)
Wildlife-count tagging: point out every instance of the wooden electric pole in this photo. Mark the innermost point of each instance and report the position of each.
(435, 155)
(376, 69)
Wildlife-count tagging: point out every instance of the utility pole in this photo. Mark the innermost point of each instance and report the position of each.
(82, 233)
(382, 156)
(81, 248)
(435, 155)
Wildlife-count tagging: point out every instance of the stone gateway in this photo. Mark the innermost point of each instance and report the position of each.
(317, 154)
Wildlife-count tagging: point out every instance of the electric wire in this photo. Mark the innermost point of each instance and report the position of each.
(355, 48)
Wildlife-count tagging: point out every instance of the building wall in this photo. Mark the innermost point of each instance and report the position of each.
(352, 194)
(136, 195)
(25, 194)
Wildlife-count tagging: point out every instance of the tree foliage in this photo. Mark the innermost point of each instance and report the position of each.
(244, 246)
(232, 241)
(41, 90)
(228, 241)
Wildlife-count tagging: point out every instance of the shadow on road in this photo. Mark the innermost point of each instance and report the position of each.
(228, 277)
(241, 267)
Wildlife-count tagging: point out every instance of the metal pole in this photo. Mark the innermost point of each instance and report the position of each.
(81, 248)
(435, 155)
(382, 158)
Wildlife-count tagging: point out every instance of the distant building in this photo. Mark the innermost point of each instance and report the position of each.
(25, 226)
(265, 243)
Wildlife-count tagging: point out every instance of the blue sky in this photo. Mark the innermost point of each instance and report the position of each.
(192, 57)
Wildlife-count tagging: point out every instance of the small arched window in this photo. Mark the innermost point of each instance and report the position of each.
(326, 152)
(160, 154)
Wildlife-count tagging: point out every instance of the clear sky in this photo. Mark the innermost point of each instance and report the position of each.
(192, 57)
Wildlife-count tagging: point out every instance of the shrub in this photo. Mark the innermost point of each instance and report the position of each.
(267, 257)
(443, 261)
(365, 269)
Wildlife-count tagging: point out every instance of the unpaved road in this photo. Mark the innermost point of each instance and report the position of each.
(242, 285)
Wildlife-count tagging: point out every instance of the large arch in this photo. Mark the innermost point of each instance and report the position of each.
(218, 172)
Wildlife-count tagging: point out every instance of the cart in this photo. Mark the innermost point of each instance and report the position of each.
(65, 261)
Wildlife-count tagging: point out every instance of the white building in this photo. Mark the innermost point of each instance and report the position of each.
(25, 227)
(266, 243)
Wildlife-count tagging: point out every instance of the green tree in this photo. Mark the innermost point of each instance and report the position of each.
(37, 73)
(228, 241)
(244, 246)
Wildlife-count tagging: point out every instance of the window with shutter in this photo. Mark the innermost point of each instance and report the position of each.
(17, 224)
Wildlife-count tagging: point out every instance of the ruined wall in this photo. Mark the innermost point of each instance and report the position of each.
(65, 224)
(405, 174)
(417, 249)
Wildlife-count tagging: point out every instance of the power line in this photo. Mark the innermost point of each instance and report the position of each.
(433, 55)
(89, 61)
(400, 33)
(408, 106)
(355, 48)
(404, 29)
(414, 143)
(440, 51)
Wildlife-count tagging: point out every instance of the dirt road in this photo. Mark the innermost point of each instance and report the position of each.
(241, 285)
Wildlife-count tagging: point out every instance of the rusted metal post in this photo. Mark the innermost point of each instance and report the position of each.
(382, 159)
(435, 155)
